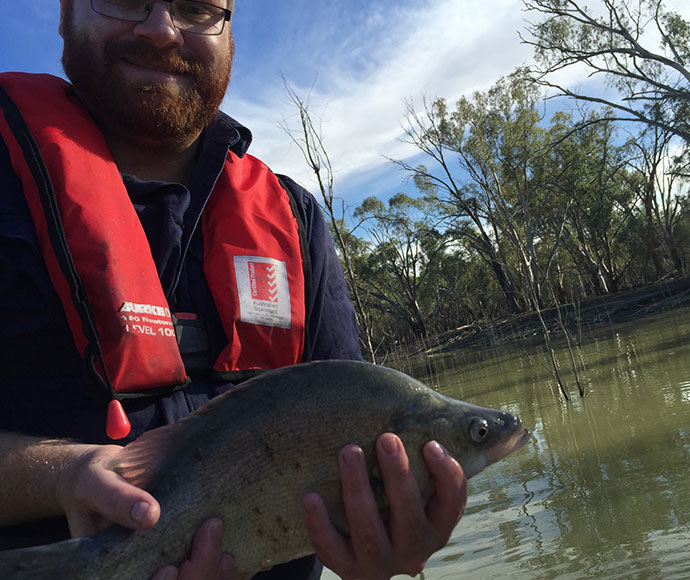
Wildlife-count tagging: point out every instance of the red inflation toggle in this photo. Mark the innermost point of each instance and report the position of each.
(117, 424)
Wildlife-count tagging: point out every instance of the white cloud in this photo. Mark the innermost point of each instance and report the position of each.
(443, 48)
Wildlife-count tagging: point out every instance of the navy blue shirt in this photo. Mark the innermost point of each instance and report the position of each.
(40, 391)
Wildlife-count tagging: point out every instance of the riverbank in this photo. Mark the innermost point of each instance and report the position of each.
(527, 328)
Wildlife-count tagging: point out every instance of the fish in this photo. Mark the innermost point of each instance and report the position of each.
(249, 457)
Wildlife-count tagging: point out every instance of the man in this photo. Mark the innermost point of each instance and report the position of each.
(86, 291)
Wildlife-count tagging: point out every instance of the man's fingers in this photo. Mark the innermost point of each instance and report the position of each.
(368, 535)
(331, 546)
(376, 551)
(368, 547)
(125, 504)
(408, 521)
(93, 496)
(208, 542)
(447, 506)
(206, 561)
(166, 573)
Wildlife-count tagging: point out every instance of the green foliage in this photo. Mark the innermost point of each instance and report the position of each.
(401, 275)
(515, 211)
(640, 48)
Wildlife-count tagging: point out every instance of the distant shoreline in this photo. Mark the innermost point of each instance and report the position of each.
(596, 312)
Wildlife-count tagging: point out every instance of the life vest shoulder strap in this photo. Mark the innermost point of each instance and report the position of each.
(256, 256)
(84, 220)
(255, 244)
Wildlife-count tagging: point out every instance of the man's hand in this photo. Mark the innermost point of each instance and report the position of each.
(93, 497)
(374, 551)
(206, 562)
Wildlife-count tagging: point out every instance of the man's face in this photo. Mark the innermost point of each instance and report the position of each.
(145, 79)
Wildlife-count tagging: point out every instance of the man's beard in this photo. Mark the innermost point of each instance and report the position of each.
(165, 113)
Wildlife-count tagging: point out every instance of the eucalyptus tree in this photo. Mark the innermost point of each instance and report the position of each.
(642, 52)
(461, 202)
(401, 273)
(593, 203)
(308, 138)
(663, 193)
(638, 47)
(487, 173)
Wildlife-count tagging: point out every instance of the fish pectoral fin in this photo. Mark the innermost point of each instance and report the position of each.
(141, 461)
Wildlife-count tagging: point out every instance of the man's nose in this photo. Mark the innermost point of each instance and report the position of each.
(159, 28)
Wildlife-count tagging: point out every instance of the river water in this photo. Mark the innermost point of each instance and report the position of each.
(602, 489)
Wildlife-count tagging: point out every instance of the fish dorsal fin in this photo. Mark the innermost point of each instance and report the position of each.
(142, 461)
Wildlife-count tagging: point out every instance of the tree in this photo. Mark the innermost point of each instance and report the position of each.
(659, 186)
(653, 84)
(309, 140)
(488, 174)
(593, 201)
(432, 133)
(642, 50)
(403, 266)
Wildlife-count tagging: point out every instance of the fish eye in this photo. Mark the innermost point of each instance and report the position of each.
(479, 430)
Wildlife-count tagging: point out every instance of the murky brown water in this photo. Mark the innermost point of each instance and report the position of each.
(602, 490)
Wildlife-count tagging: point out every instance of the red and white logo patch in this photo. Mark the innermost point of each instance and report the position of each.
(263, 290)
(263, 280)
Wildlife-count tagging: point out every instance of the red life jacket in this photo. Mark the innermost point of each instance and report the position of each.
(100, 263)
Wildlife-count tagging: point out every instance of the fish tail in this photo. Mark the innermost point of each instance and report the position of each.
(44, 562)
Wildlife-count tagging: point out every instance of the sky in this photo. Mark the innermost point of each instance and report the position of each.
(359, 61)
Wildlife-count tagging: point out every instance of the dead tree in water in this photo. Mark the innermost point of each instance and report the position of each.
(308, 139)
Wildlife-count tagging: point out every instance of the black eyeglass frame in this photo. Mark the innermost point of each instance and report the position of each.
(227, 15)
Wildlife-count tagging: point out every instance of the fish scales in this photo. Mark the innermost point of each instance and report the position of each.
(250, 456)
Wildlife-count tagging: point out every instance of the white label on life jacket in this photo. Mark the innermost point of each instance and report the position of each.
(263, 290)
(147, 319)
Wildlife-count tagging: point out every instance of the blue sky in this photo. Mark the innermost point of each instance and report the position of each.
(362, 58)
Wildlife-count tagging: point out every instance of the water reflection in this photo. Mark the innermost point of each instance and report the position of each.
(602, 489)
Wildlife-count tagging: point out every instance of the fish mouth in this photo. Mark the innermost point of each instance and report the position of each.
(516, 440)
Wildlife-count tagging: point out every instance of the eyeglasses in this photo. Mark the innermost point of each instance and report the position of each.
(187, 15)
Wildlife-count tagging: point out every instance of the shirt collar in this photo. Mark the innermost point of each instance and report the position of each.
(223, 131)
(226, 131)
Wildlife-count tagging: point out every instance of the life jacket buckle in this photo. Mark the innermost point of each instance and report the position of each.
(192, 340)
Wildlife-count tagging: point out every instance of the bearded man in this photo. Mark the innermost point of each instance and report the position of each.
(122, 193)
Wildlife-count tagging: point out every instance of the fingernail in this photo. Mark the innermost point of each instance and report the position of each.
(140, 512)
(351, 456)
(309, 504)
(226, 564)
(215, 531)
(434, 450)
(390, 444)
(170, 574)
